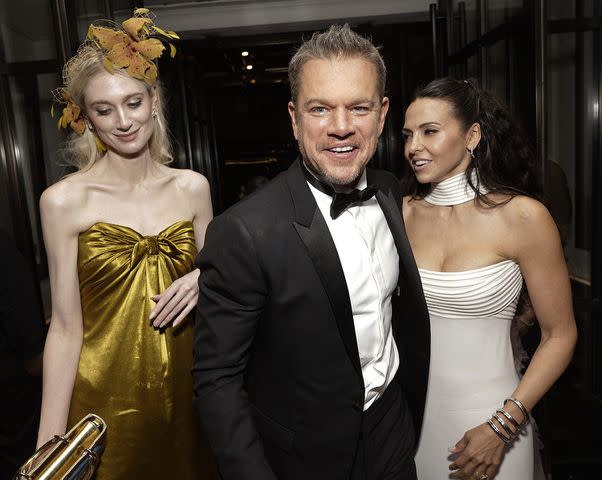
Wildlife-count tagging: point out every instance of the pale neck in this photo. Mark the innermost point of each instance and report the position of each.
(133, 170)
(453, 190)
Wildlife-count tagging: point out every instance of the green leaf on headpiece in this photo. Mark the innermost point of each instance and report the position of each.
(171, 35)
(108, 64)
(52, 111)
(172, 50)
(160, 30)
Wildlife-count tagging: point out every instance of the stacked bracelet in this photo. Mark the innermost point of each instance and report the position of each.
(511, 428)
(498, 432)
(521, 407)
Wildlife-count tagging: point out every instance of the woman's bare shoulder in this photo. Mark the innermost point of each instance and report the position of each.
(529, 225)
(191, 182)
(66, 194)
(526, 212)
(66, 201)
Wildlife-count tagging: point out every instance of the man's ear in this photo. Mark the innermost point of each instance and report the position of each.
(382, 115)
(292, 112)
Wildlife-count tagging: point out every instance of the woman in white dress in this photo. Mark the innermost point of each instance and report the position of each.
(477, 231)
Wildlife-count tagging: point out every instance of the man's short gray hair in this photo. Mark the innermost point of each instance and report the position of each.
(339, 41)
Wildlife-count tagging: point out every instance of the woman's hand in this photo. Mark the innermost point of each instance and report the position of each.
(480, 451)
(176, 301)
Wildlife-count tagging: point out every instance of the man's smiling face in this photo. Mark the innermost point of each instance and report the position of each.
(338, 117)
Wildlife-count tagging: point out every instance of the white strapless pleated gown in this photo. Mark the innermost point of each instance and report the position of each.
(472, 367)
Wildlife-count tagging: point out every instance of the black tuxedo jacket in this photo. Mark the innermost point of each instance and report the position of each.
(276, 373)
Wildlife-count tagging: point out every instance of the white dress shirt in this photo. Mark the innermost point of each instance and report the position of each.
(371, 266)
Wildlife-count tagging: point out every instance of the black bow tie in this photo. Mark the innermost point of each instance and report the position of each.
(340, 201)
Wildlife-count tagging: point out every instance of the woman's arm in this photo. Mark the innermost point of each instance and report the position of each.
(201, 197)
(178, 300)
(535, 244)
(541, 259)
(65, 335)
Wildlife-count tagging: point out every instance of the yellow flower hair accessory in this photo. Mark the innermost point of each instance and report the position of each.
(134, 47)
(72, 115)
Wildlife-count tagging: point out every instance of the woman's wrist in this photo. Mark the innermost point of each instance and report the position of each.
(516, 408)
(508, 422)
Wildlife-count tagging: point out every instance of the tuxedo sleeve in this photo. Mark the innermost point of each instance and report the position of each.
(232, 292)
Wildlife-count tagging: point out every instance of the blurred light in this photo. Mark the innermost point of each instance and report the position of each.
(249, 67)
(253, 81)
(244, 53)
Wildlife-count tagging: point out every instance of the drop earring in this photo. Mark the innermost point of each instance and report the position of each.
(471, 151)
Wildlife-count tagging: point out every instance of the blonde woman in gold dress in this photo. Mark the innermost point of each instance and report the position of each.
(121, 235)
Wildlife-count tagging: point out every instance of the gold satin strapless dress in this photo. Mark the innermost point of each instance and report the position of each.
(135, 377)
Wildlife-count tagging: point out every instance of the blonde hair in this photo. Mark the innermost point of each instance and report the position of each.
(339, 41)
(81, 151)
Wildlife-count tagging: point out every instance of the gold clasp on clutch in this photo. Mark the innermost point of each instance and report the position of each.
(58, 458)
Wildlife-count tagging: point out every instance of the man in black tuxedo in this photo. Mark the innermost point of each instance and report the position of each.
(312, 340)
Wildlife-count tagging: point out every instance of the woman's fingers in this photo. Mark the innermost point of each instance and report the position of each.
(175, 302)
(461, 445)
(184, 313)
(466, 470)
(491, 471)
(173, 309)
(167, 300)
(478, 453)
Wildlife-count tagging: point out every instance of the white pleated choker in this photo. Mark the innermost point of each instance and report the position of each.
(453, 191)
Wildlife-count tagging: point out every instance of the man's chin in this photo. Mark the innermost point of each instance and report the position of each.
(344, 179)
(339, 177)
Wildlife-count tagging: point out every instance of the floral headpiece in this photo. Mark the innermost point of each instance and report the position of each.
(72, 115)
(134, 46)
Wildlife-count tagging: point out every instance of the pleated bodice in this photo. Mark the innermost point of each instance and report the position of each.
(490, 291)
(136, 377)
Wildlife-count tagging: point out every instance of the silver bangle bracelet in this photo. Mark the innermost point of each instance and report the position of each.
(509, 431)
(511, 419)
(498, 432)
(521, 407)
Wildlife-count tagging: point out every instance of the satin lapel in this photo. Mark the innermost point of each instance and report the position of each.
(407, 265)
(314, 233)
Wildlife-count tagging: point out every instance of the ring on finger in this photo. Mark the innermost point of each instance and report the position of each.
(481, 476)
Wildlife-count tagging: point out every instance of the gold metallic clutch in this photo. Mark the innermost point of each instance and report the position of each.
(73, 456)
